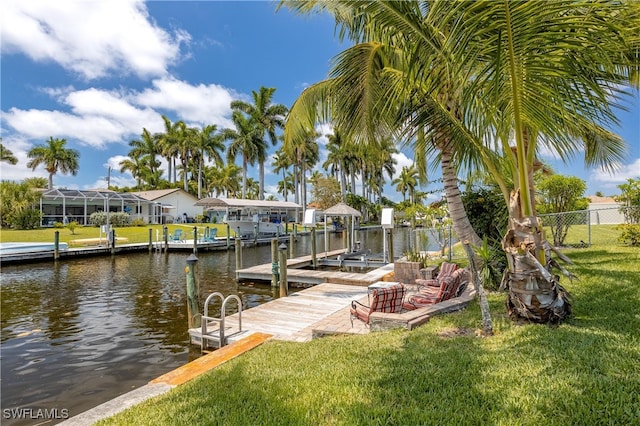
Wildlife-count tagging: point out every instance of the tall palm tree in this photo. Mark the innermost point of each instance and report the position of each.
(55, 158)
(281, 163)
(7, 156)
(285, 186)
(147, 148)
(208, 143)
(246, 142)
(406, 182)
(168, 142)
(135, 165)
(304, 150)
(476, 73)
(267, 117)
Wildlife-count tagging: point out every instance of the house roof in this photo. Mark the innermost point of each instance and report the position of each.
(219, 203)
(594, 199)
(92, 195)
(160, 193)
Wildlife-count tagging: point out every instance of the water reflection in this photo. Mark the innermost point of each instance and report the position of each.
(80, 332)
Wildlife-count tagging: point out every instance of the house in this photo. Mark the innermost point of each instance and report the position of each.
(66, 205)
(604, 210)
(177, 205)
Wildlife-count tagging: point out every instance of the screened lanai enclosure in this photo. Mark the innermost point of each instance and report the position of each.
(67, 205)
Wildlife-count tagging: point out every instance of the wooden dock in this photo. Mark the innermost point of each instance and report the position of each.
(293, 317)
(309, 276)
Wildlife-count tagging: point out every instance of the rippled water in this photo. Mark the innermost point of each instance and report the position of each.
(80, 332)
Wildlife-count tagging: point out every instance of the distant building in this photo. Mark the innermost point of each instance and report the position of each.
(604, 210)
(177, 205)
(158, 206)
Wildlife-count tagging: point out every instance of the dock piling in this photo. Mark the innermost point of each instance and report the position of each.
(314, 257)
(291, 245)
(274, 262)
(150, 240)
(195, 240)
(193, 305)
(56, 245)
(283, 271)
(238, 253)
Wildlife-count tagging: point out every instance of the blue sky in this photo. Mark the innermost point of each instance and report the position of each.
(96, 73)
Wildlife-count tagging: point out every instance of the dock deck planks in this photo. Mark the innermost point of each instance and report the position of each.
(291, 318)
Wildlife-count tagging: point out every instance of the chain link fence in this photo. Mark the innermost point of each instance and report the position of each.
(584, 228)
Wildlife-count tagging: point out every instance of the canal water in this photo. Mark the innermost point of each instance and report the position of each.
(77, 333)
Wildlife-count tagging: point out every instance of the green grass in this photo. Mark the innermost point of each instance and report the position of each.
(583, 371)
(134, 234)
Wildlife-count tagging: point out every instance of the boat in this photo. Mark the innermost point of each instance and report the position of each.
(19, 248)
(252, 218)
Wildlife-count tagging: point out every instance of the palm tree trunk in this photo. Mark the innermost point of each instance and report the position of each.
(261, 181)
(343, 186)
(51, 181)
(244, 177)
(534, 292)
(459, 217)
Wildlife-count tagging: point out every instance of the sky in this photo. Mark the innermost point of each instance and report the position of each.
(97, 72)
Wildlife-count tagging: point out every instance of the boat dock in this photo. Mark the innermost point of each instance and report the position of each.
(296, 273)
(295, 317)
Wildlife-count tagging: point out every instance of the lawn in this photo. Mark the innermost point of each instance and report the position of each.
(134, 234)
(584, 371)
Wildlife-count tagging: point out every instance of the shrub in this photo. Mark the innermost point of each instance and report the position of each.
(138, 222)
(115, 219)
(72, 226)
(630, 234)
(58, 225)
(25, 219)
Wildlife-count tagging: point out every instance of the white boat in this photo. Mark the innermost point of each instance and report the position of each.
(18, 248)
(253, 218)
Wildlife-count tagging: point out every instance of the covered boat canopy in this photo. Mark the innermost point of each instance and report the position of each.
(342, 209)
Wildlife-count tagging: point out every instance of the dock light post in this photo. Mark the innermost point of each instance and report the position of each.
(193, 305)
(283, 270)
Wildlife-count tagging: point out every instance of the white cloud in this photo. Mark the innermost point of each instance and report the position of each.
(204, 103)
(402, 161)
(91, 38)
(624, 172)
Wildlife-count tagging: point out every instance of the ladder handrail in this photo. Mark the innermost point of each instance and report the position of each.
(223, 316)
(221, 321)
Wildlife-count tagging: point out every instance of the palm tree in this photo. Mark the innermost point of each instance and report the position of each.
(210, 144)
(135, 165)
(7, 156)
(304, 151)
(55, 157)
(341, 159)
(267, 118)
(285, 186)
(169, 142)
(146, 148)
(245, 141)
(476, 73)
(407, 182)
(281, 163)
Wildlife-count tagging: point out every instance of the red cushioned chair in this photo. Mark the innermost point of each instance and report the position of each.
(382, 300)
(429, 294)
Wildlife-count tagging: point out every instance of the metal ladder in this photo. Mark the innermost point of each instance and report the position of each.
(207, 322)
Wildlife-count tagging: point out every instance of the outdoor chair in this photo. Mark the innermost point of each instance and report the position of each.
(177, 236)
(387, 299)
(210, 235)
(444, 287)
